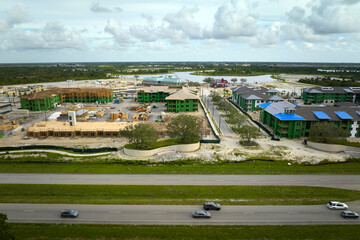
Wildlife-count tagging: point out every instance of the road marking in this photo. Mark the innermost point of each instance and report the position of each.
(29, 210)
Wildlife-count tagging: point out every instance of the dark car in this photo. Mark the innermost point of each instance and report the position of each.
(201, 214)
(212, 206)
(69, 213)
(349, 214)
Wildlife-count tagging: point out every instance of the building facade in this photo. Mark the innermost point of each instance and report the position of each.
(155, 94)
(182, 101)
(46, 100)
(291, 121)
(330, 95)
(249, 98)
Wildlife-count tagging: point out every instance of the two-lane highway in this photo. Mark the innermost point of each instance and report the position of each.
(336, 181)
(175, 215)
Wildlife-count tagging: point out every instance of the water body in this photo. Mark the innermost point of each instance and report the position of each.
(197, 78)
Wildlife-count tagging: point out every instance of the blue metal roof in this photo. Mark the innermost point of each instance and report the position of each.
(288, 117)
(343, 115)
(321, 115)
(265, 105)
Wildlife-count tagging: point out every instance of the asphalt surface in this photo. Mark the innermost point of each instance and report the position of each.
(336, 181)
(175, 215)
(223, 126)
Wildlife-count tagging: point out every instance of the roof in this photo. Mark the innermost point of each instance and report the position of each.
(279, 107)
(288, 117)
(333, 90)
(167, 78)
(321, 115)
(155, 89)
(182, 94)
(272, 90)
(265, 105)
(252, 97)
(307, 112)
(275, 98)
(343, 115)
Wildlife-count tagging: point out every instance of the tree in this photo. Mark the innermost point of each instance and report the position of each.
(216, 97)
(234, 80)
(248, 133)
(243, 80)
(4, 228)
(141, 135)
(208, 79)
(324, 132)
(185, 127)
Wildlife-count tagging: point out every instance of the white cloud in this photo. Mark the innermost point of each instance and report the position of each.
(121, 36)
(96, 8)
(52, 36)
(234, 19)
(155, 46)
(269, 36)
(16, 15)
(291, 45)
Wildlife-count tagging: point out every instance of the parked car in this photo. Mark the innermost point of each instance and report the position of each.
(201, 214)
(69, 213)
(336, 205)
(212, 206)
(349, 214)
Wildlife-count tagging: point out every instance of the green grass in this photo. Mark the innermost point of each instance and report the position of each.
(52, 163)
(158, 144)
(335, 141)
(137, 232)
(172, 194)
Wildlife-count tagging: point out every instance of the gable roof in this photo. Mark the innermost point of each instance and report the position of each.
(182, 95)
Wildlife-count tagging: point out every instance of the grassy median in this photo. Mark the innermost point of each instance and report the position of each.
(172, 195)
(87, 231)
(52, 163)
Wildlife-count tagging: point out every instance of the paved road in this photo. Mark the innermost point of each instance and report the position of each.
(224, 127)
(171, 215)
(336, 181)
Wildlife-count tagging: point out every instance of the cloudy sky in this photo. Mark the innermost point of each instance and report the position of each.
(186, 30)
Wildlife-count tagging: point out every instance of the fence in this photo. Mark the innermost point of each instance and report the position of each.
(217, 140)
(256, 122)
(82, 150)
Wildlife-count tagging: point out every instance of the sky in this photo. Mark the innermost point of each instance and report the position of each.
(33, 31)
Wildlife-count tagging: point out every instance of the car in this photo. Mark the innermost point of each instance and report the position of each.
(211, 206)
(335, 205)
(349, 214)
(69, 213)
(201, 214)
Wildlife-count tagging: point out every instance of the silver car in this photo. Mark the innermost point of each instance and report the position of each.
(201, 214)
(335, 205)
(69, 213)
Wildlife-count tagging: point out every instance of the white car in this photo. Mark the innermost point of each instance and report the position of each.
(334, 205)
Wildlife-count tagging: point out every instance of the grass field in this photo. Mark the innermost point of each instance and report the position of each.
(171, 195)
(54, 164)
(87, 231)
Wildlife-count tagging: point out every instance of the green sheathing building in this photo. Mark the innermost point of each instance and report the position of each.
(301, 128)
(318, 95)
(41, 104)
(182, 101)
(152, 96)
(84, 99)
(281, 128)
(188, 105)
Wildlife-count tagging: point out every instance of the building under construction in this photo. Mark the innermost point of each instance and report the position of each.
(182, 101)
(42, 101)
(80, 129)
(155, 94)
